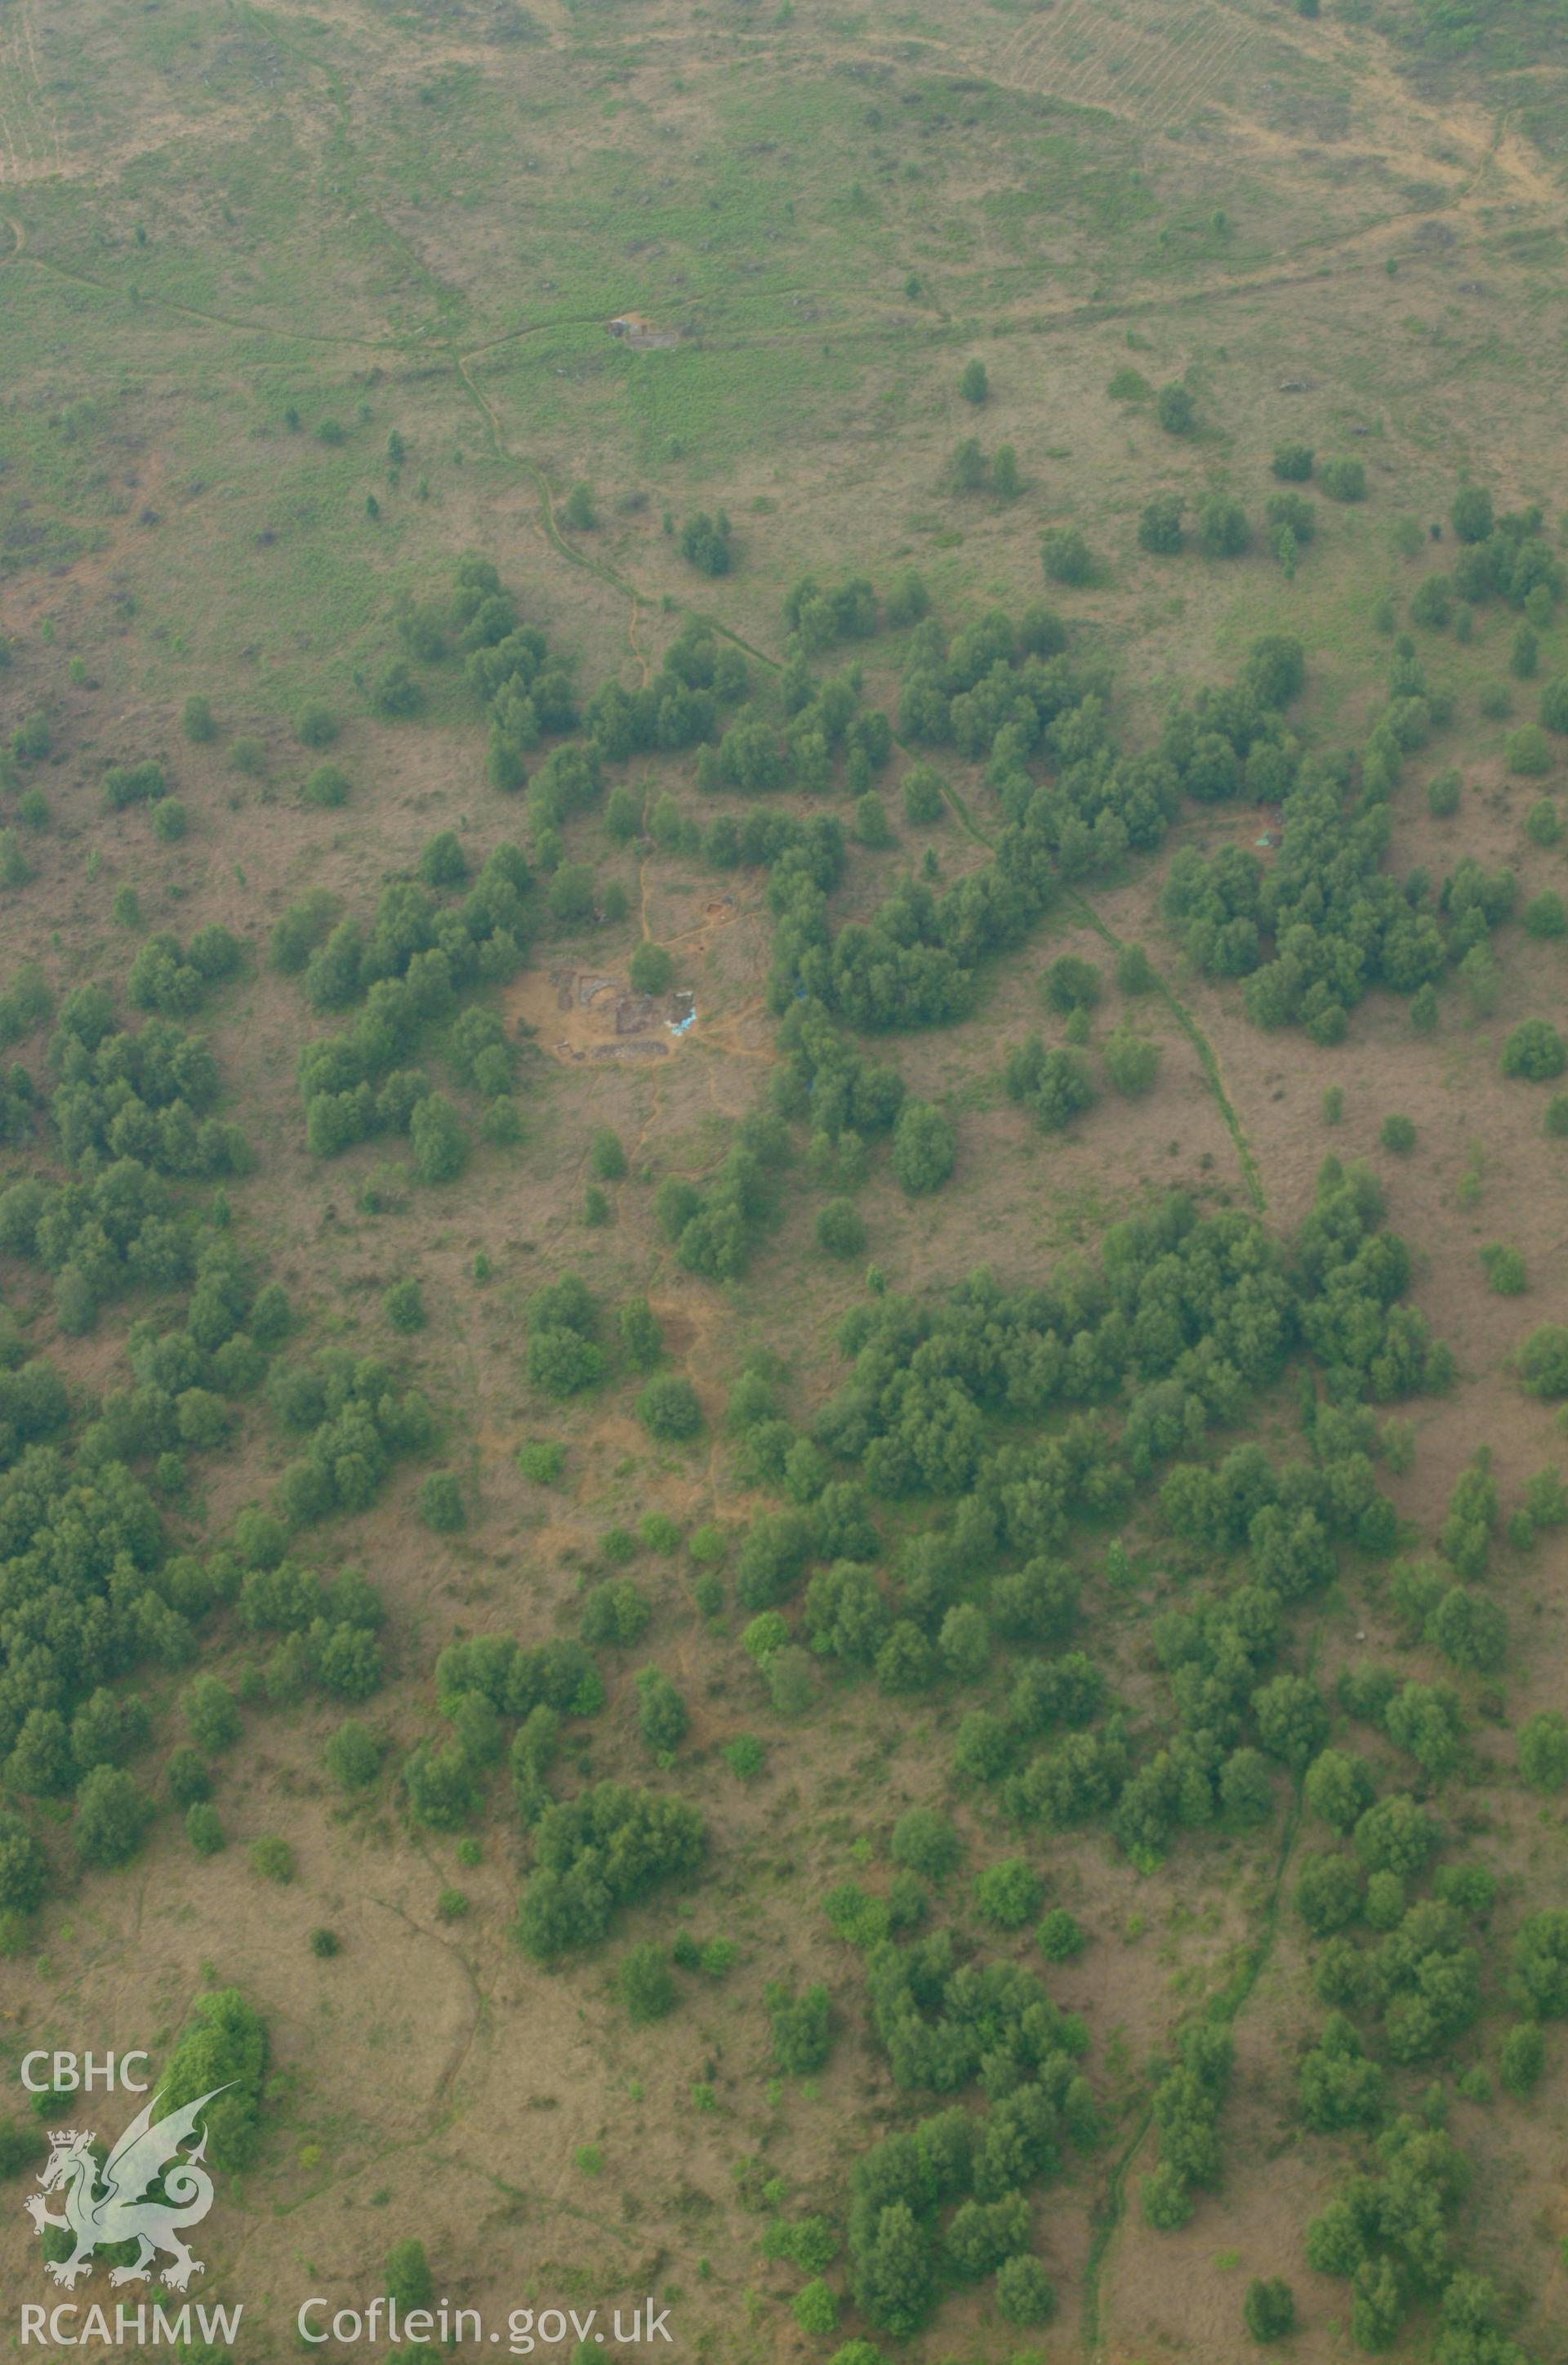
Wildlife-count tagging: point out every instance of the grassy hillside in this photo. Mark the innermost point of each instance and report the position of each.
(781, 916)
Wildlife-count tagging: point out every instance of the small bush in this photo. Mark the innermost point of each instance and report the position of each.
(1024, 2293)
(1397, 1134)
(1132, 1061)
(404, 1306)
(1528, 751)
(1134, 972)
(652, 968)
(353, 1755)
(1159, 525)
(745, 1756)
(1268, 2310)
(606, 1155)
(1543, 1750)
(815, 2308)
(326, 786)
(1060, 1936)
(668, 1408)
(274, 1859)
(1543, 1362)
(1344, 480)
(840, 1228)
(187, 1776)
(1534, 1051)
(203, 1828)
(645, 1983)
(541, 1460)
(1066, 555)
(1522, 2059)
(1174, 408)
(925, 1145)
(1071, 984)
(925, 799)
(1008, 1893)
(316, 725)
(1292, 463)
(441, 1503)
(1504, 1270)
(1224, 530)
(407, 2276)
(925, 1842)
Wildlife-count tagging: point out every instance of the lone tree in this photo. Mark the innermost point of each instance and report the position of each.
(1269, 2309)
(705, 542)
(924, 1147)
(1173, 409)
(651, 968)
(407, 2275)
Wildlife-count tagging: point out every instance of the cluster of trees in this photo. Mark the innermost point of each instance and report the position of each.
(821, 1080)
(1058, 1084)
(714, 1227)
(1188, 2098)
(119, 1231)
(1190, 1317)
(601, 1851)
(224, 2044)
(947, 2203)
(758, 840)
(1009, 692)
(526, 693)
(410, 970)
(482, 1685)
(175, 980)
(353, 1423)
(823, 721)
(680, 707)
(1388, 2234)
(563, 1355)
(1181, 1326)
(820, 619)
(1314, 929)
(1054, 1086)
(1504, 557)
(706, 543)
(88, 1589)
(129, 1110)
(973, 472)
(1470, 1629)
(329, 1633)
(144, 1096)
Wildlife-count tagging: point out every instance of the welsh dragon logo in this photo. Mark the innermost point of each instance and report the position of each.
(110, 2204)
